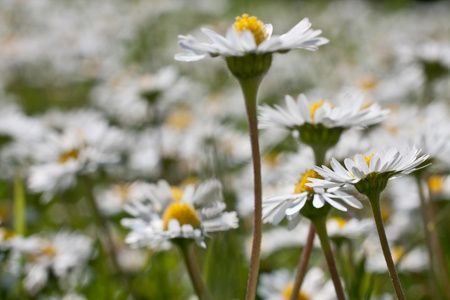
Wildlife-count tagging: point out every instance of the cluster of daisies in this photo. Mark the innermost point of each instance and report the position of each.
(154, 165)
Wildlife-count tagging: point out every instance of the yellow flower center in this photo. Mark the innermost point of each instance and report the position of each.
(341, 222)
(397, 253)
(122, 191)
(255, 26)
(189, 180)
(49, 251)
(368, 83)
(69, 155)
(436, 184)
(386, 211)
(366, 157)
(314, 106)
(6, 234)
(179, 119)
(288, 291)
(177, 193)
(301, 186)
(183, 212)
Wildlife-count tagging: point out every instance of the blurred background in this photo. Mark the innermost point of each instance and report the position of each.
(101, 75)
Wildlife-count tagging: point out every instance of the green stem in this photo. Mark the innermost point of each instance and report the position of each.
(250, 90)
(432, 238)
(19, 206)
(374, 200)
(106, 234)
(319, 154)
(187, 251)
(321, 229)
(303, 264)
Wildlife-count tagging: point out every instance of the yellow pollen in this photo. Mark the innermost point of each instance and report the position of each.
(397, 253)
(436, 184)
(368, 83)
(69, 155)
(366, 157)
(301, 186)
(179, 119)
(314, 106)
(288, 291)
(189, 180)
(177, 193)
(6, 234)
(341, 222)
(122, 191)
(255, 26)
(49, 251)
(183, 212)
(271, 159)
(385, 212)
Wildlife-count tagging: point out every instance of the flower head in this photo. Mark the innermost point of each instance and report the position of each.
(250, 35)
(368, 172)
(174, 212)
(289, 205)
(299, 112)
(278, 286)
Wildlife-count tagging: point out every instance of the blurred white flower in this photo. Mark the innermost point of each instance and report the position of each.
(61, 254)
(278, 286)
(81, 143)
(112, 199)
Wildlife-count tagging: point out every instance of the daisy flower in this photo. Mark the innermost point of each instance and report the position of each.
(250, 35)
(289, 205)
(368, 172)
(81, 143)
(278, 286)
(63, 255)
(350, 113)
(174, 213)
(339, 228)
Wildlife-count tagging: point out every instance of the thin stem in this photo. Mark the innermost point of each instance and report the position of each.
(321, 229)
(319, 154)
(303, 264)
(433, 242)
(250, 90)
(376, 209)
(106, 233)
(187, 251)
(19, 206)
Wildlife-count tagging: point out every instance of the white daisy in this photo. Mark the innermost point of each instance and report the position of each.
(350, 113)
(289, 205)
(81, 143)
(111, 200)
(278, 286)
(349, 229)
(173, 213)
(250, 35)
(386, 164)
(62, 254)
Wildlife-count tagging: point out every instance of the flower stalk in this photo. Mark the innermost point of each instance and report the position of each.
(19, 206)
(250, 90)
(321, 229)
(374, 199)
(106, 233)
(303, 264)
(188, 254)
(319, 155)
(433, 243)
